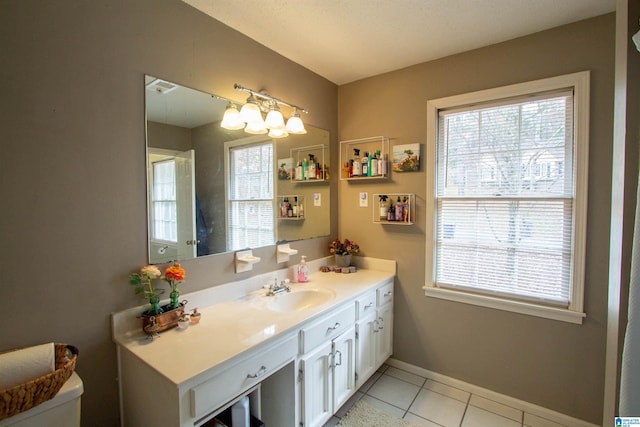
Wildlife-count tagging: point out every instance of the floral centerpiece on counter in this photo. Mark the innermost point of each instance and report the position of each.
(142, 281)
(343, 251)
(174, 275)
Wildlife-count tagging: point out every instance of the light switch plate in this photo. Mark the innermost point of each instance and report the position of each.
(364, 200)
(317, 200)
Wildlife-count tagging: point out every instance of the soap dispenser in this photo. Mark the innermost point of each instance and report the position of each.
(303, 270)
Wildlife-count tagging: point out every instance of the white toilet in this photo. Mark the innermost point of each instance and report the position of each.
(63, 410)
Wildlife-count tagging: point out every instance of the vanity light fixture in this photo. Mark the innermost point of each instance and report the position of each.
(251, 115)
(232, 119)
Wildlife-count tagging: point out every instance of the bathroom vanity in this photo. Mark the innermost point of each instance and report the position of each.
(298, 355)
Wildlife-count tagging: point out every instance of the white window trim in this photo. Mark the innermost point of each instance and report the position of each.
(580, 82)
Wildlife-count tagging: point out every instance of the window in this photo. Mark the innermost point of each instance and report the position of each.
(509, 197)
(251, 200)
(165, 225)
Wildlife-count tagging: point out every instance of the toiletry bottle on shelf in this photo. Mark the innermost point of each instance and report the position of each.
(365, 164)
(373, 169)
(298, 175)
(325, 172)
(319, 171)
(284, 208)
(295, 206)
(303, 270)
(399, 209)
(301, 209)
(384, 206)
(391, 213)
(382, 165)
(406, 209)
(305, 169)
(311, 171)
(345, 170)
(357, 165)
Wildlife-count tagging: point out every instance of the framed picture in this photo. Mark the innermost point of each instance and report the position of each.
(406, 158)
(285, 168)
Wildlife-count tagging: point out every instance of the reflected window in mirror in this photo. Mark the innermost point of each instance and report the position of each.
(251, 194)
(163, 201)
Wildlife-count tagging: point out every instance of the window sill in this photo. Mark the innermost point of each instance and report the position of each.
(561, 314)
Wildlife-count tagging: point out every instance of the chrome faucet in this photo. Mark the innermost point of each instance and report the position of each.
(277, 289)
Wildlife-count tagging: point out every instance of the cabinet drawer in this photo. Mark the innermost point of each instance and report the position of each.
(212, 394)
(385, 294)
(366, 304)
(327, 328)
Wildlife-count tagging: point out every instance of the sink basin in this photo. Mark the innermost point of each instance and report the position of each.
(299, 300)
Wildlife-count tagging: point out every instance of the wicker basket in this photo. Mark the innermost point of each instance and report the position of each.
(25, 396)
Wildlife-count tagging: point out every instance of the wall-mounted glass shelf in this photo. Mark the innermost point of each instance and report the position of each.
(364, 159)
(394, 208)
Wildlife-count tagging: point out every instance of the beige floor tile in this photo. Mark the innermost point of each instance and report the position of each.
(476, 417)
(438, 408)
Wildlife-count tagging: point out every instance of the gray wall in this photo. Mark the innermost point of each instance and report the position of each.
(550, 363)
(72, 166)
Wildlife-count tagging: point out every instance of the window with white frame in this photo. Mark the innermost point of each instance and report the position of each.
(251, 196)
(509, 197)
(163, 201)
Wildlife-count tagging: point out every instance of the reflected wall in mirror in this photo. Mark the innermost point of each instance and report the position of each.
(190, 213)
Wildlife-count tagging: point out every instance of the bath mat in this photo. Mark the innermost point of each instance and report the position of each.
(364, 415)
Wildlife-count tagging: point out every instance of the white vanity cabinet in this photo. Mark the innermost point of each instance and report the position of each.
(298, 367)
(374, 331)
(326, 368)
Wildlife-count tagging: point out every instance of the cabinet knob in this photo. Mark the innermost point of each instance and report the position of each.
(368, 305)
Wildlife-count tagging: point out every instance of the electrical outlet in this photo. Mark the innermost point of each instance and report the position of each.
(364, 200)
(317, 200)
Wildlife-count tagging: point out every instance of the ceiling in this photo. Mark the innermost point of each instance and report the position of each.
(347, 40)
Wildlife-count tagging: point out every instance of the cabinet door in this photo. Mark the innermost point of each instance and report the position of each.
(384, 331)
(344, 385)
(316, 382)
(366, 348)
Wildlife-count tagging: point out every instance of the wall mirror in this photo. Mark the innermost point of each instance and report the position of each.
(211, 190)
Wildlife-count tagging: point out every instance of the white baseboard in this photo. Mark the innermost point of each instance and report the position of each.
(527, 407)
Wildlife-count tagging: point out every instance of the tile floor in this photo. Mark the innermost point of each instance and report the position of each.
(428, 403)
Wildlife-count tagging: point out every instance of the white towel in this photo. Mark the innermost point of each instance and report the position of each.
(20, 366)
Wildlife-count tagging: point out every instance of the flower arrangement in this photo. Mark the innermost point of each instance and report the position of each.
(174, 275)
(142, 281)
(348, 247)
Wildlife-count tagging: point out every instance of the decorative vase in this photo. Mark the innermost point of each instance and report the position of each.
(155, 306)
(343, 260)
(173, 300)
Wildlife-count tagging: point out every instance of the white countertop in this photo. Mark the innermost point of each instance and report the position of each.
(237, 325)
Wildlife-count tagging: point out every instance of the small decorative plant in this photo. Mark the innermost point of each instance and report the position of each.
(142, 281)
(174, 275)
(348, 247)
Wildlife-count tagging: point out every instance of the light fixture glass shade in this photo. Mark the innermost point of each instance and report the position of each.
(250, 112)
(278, 133)
(295, 125)
(256, 128)
(231, 119)
(274, 119)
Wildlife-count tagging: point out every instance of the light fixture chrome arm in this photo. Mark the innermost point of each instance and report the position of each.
(268, 97)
